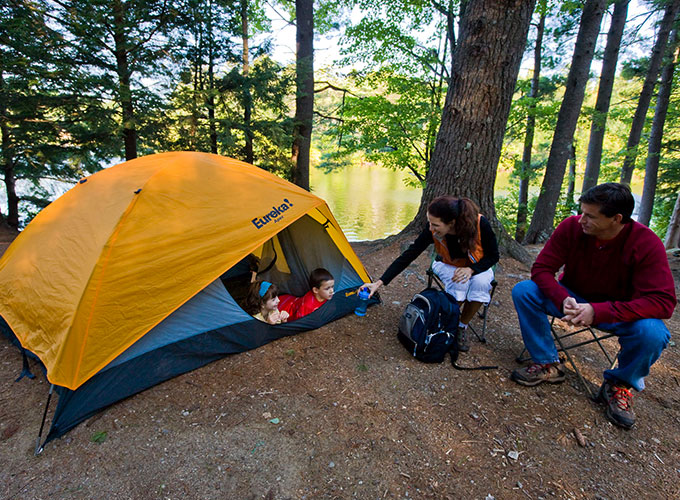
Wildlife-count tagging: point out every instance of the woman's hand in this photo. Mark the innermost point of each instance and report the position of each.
(372, 287)
(462, 275)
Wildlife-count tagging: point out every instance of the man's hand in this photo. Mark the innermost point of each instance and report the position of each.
(462, 275)
(577, 314)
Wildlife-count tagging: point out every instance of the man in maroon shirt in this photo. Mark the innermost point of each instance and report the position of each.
(616, 277)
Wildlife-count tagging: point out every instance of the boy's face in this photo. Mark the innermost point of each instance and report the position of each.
(325, 291)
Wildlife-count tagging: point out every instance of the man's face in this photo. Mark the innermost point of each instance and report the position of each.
(595, 223)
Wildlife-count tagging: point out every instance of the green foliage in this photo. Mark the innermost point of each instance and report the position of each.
(52, 126)
(506, 208)
(393, 124)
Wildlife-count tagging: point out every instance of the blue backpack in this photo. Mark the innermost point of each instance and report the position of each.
(429, 325)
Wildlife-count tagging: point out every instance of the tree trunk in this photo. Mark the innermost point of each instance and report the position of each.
(571, 185)
(304, 102)
(247, 98)
(647, 90)
(486, 63)
(604, 94)
(542, 221)
(8, 165)
(525, 168)
(124, 74)
(672, 239)
(212, 126)
(656, 134)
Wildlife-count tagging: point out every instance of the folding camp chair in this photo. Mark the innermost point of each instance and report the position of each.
(595, 336)
(482, 314)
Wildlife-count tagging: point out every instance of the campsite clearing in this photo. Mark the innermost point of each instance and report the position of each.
(344, 412)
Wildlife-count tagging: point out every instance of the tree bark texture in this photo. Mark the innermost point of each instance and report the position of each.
(672, 239)
(525, 168)
(304, 102)
(124, 74)
(542, 221)
(647, 89)
(486, 63)
(656, 134)
(604, 94)
(247, 98)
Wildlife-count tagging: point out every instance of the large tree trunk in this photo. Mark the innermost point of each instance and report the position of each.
(485, 67)
(672, 239)
(542, 221)
(647, 90)
(604, 94)
(525, 168)
(304, 102)
(124, 74)
(656, 134)
(247, 98)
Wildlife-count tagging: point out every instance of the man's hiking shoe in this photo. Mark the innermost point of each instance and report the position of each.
(463, 340)
(619, 401)
(537, 373)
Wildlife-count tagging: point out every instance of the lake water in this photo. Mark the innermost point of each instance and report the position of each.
(370, 202)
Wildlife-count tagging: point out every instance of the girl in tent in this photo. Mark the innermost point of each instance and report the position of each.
(467, 250)
(263, 303)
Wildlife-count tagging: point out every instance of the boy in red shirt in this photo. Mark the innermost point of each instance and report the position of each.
(321, 282)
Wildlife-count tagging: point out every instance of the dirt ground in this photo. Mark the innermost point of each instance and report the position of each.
(345, 412)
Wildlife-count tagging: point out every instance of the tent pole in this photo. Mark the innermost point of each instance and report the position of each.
(38, 448)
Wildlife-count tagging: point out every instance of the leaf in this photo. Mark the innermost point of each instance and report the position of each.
(99, 437)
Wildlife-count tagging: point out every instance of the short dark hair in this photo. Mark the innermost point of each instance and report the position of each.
(612, 198)
(318, 276)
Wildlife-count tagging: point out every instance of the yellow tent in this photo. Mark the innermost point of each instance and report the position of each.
(126, 247)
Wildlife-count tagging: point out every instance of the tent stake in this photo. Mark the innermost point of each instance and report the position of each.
(38, 448)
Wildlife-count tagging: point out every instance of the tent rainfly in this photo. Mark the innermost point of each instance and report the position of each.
(135, 275)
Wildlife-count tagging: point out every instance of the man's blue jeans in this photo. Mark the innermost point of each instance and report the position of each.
(641, 341)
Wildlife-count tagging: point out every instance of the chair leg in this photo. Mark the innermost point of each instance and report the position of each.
(483, 315)
(572, 363)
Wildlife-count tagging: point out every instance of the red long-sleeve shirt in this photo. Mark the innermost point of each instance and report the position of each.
(624, 279)
(297, 307)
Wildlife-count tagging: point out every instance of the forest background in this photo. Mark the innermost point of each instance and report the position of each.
(86, 84)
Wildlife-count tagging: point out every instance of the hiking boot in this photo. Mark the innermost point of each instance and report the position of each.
(537, 373)
(619, 401)
(463, 340)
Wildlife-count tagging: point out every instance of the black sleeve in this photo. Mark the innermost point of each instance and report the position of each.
(423, 241)
(489, 245)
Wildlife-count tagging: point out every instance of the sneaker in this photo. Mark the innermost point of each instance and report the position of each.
(463, 340)
(619, 401)
(537, 373)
